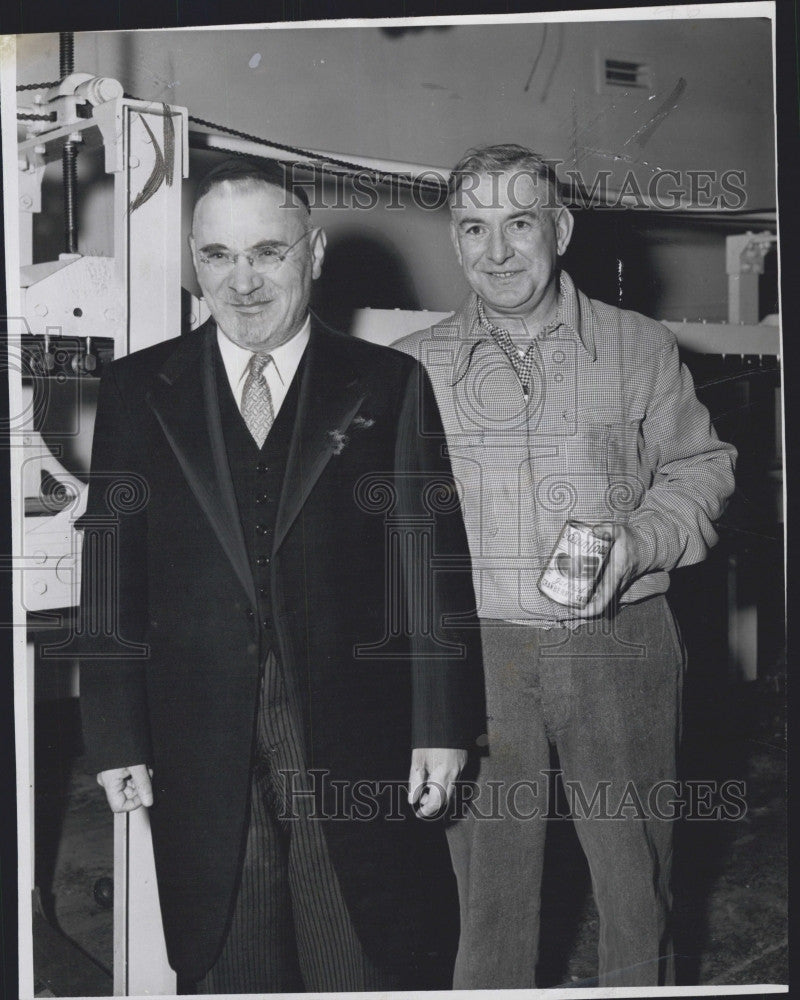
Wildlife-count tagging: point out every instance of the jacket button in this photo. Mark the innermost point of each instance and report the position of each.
(261, 468)
(250, 614)
(266, 622)
(262, 529)
(262, 561)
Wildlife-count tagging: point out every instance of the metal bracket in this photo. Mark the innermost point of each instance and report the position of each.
(109, 118)
(745, 252)
(744, 263)
(30, 185)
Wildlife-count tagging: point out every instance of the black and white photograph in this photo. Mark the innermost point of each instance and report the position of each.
(395, 441)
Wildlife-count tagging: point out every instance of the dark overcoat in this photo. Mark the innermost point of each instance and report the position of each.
(373, 619)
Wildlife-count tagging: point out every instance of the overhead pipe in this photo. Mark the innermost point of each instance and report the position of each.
(201, 139)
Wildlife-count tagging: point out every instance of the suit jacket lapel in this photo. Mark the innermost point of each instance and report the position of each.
(330, 395)
(185, 402)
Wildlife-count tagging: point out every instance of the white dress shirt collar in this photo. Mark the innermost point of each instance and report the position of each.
(279, 373)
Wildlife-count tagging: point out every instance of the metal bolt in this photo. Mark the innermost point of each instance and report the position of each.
(26, 201)
(133, 162)
(39, 587)
(40, 309)
(110, 315)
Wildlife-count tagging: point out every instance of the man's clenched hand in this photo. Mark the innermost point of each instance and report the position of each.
(127, 788)
(432, 777)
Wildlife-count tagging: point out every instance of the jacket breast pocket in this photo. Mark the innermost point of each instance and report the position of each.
(605, 455)
(624, 465)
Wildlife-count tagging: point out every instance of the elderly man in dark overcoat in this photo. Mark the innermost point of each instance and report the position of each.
(280, 658)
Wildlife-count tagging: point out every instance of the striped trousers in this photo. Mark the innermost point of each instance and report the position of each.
(290, 930)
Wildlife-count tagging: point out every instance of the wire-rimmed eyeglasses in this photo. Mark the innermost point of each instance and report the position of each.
(264, 258)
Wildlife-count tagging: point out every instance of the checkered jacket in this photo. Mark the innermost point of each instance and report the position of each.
(611, 430)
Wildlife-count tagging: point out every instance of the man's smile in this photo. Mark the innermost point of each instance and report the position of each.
(502, 275)
(250, 307)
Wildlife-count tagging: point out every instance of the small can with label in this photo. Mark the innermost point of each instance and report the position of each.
(575, 565)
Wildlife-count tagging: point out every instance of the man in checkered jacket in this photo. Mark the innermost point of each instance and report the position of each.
(558, 407)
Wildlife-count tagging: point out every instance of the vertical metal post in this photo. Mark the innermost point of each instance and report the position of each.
(69, 169)
(147, 250)
(66, 53)
(69, 155)
(121, 883)
(744, 264)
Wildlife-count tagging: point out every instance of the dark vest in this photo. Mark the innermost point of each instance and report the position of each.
(257, 475)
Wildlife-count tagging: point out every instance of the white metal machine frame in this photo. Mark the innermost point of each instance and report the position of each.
(133, 298)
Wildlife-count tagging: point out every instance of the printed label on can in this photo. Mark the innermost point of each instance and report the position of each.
(575, 565)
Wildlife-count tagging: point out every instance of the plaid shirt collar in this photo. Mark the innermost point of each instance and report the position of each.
(574, 318)
(502, 333)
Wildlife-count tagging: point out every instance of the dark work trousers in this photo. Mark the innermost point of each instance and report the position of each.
(290, 929)
(608, 696)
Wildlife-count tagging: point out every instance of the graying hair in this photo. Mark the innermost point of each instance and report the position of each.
(498, 159)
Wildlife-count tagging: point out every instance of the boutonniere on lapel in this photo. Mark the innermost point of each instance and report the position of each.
(338, 440)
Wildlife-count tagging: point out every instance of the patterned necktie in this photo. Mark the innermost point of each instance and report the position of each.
(257, 399)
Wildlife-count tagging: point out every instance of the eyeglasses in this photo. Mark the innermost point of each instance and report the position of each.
(263, 259)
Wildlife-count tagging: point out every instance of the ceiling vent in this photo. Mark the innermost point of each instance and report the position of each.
(625, 72)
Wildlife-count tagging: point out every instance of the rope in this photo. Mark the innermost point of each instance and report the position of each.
(37, 118)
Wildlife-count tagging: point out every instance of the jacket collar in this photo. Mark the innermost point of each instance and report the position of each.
(330, 395)
(185, 402)
(575, 318)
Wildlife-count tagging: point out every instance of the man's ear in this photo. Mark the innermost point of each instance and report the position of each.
(318, 241)
(454, 240)
(564, 223)
(193, 248)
